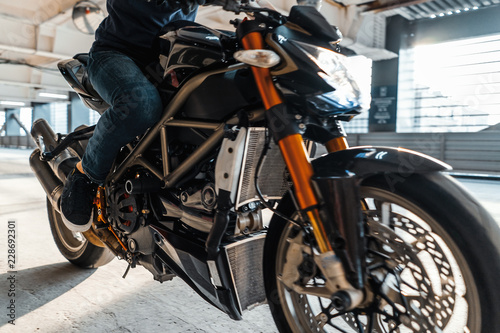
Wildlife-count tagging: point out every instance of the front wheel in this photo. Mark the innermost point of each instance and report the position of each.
(433, 263)
(74, 246)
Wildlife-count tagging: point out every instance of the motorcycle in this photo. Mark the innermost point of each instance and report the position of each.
(225, 192)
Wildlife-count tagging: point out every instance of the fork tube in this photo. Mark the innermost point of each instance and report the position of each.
(337, 144)
(300, 168)
(268, 92)
(291, 146)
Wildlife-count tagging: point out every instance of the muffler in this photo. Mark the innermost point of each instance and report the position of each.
(52, 185)
(51, 174)
(46, 140)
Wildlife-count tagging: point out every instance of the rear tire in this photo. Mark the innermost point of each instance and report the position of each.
(445, 251)
(74, 246)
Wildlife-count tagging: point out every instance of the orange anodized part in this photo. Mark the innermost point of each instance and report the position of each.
(269, 93)
(294, 154)
(292, 146)
(301, 171)
(110, 228)
(100, 204)
(337, 144)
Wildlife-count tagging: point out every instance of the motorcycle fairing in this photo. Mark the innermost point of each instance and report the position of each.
(190, 45)
(310, 19)
(214, 279)
(205, 102)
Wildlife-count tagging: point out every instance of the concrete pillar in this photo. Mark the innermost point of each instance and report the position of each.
(41, 111)
(383, 109)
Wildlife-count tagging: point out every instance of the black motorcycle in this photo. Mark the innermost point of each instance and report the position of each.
(363, 239)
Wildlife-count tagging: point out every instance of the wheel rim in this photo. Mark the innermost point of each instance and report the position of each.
(73, 241)
(420, 281)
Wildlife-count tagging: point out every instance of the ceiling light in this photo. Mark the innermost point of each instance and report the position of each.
(11, 103)
(441, 14)
(466, 9)
(52, 95)
(458, 11)
(475, 7)
(450, 12)
(433, 16)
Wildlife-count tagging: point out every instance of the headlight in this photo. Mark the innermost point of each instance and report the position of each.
(346, 95)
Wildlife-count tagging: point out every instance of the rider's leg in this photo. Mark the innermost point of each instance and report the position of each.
(135, 106)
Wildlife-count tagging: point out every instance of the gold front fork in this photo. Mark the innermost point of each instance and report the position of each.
(292, 148)
(337, 144)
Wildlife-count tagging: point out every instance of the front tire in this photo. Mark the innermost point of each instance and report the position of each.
(74, 246)
(433, 259)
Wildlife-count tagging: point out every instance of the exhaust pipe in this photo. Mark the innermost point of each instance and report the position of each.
(51, 174)
(45, 138)
(52, 185)
(190, 217)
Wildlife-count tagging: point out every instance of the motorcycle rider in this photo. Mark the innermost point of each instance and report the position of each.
(122, 51)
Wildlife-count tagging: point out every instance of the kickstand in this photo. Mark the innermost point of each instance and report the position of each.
(126, 271)
(131, 264)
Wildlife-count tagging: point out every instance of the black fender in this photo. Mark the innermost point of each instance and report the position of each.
(336, 181)
(362, 162)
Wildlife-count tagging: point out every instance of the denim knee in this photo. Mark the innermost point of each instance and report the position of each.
(138, 107)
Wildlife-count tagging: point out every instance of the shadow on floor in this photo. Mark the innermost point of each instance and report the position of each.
(37, 286)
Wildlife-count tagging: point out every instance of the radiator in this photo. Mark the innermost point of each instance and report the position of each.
(245, 261)
(273, 178)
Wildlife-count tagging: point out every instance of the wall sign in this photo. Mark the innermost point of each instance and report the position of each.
(382, 114)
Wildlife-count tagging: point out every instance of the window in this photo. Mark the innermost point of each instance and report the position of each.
(450, 87)
(2, 123)
(361, 68)
(25, 116)
(93, 117)
(59, 117)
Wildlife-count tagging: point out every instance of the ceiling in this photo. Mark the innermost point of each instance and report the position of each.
(422, 9)
(35, 35)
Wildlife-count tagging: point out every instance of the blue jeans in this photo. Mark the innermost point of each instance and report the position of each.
(135, 105)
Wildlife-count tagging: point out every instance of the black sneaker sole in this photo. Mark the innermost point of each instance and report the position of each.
(78, 227)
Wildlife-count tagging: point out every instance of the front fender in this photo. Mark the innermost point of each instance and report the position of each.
(336, 181)
(362, 162)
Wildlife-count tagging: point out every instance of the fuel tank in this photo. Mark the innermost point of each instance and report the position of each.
(187, 48)
(189, 45)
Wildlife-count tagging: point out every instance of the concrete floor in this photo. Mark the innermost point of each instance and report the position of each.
(51, 295)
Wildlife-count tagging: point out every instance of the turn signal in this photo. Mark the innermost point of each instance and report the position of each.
(258, 58)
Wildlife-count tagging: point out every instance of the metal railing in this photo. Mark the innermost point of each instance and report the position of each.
(24, 141)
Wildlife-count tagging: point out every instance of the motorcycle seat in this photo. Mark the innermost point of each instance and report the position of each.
(75, 72)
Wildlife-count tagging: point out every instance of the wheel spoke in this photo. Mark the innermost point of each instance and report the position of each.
(414, 282)
(385, 210)
(371, 320)
(358, 322)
